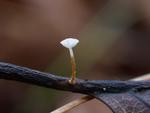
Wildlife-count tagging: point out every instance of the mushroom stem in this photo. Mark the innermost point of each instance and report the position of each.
(71, 52)
(73, 64)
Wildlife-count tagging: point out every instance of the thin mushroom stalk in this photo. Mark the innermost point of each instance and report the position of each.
(70, 43)
(73, 64)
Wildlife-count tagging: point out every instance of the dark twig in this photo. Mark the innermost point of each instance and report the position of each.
(26, 75)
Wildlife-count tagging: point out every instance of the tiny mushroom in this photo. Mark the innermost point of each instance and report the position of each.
(104, 89)
(70, 43)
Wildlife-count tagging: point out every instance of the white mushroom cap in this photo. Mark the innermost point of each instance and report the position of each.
(69, 42)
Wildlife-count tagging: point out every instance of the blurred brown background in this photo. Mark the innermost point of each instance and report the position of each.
(114, 44)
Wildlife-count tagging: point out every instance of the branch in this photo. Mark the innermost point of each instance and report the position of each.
(26, 75)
